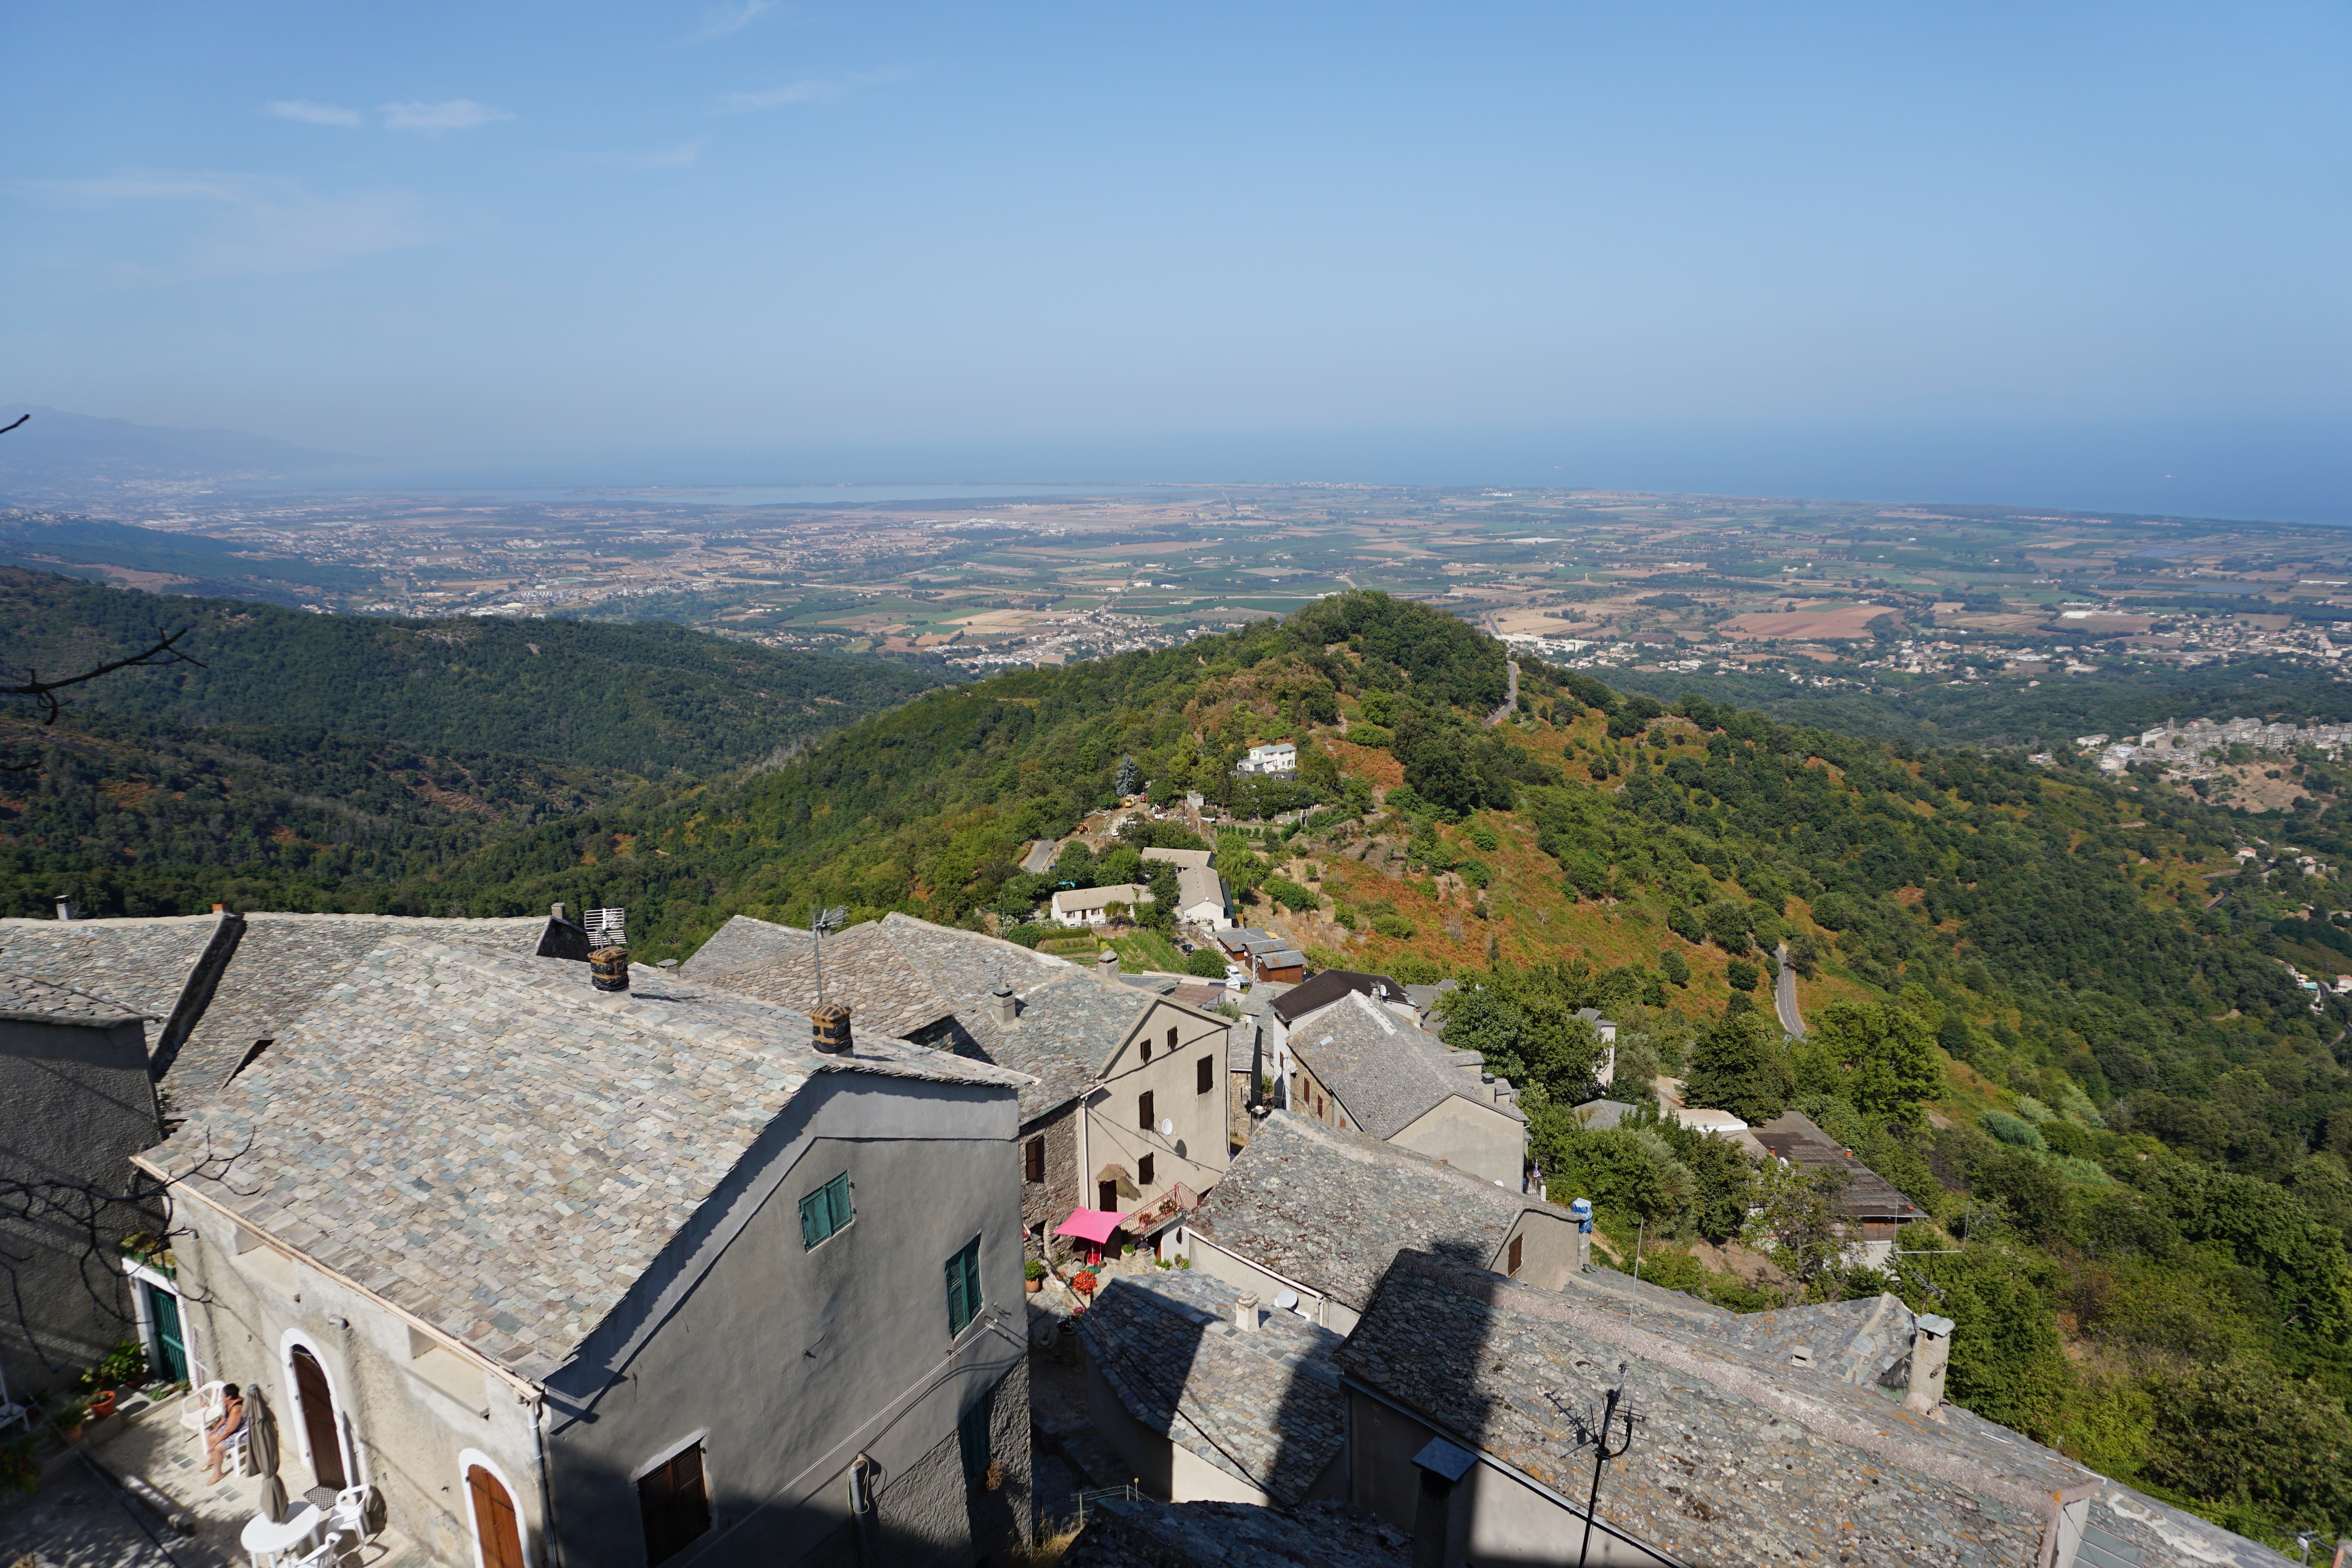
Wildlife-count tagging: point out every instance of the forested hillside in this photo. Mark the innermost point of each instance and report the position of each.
(2050, 1006)
(310, 761)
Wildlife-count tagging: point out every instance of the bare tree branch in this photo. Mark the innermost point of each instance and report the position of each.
(165, 649)
(21, 418)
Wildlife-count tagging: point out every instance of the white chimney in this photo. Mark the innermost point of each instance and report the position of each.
(1007, 1006)
(66, 910)
(1245, 1311)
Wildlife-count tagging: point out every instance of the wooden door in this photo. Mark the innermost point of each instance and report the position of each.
(494, 1520)
(318, 1422)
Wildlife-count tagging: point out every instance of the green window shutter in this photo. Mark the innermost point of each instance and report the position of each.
(837, 1195)
(972, 1438)
(963, 1288)
(812, 1229)
(824, 1211)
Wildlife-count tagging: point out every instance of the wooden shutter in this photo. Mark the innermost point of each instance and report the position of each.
(837, 1192)
(1514, 1253)
(963, 1288)
(676, 1504)
(1143, 1171)
(1143, 1110)
(812, 1219)
(1034, 1155)
(319, 1423)
(1206, 1073)
(1171, 1037)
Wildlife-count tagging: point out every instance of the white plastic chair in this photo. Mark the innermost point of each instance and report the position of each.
(338, 1547)
(200, 1407)
(349, 1514)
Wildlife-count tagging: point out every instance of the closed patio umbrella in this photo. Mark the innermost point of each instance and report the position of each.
(261, 1454)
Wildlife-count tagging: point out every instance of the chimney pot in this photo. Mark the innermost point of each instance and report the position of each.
(829, 1029)
(66, 910)
(608, 968)
(1245, 1311)
(220, 908)
(1107, 962)
(554, 911)
(1931, 1356)
(1008, 1006)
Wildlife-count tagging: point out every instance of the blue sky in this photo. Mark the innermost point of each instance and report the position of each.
(1872, 249)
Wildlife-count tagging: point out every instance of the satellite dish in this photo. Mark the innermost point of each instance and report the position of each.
(1286, 1299)
(1166, 1128)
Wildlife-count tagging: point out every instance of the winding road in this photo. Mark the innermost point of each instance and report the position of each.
(1784, 997)
(1511, 697)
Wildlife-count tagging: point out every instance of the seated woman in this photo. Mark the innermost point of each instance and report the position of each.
(218, 1436)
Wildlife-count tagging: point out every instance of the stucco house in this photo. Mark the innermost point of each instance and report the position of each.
(1120, 1112)
(80, 1103)
(1199, 891)
(1356, 1064)
(1317, 1212)
(1275, 759)
(615, 1278)
(1091, 905)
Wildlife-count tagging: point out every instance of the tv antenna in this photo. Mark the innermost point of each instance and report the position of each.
(606, 927)
(820, 922)
(1603, 1453)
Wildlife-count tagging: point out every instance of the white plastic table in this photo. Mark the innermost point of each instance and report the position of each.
(265, 1540)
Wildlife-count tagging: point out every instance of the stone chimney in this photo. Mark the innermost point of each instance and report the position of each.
(608, 968)
(1931, 1354)
(555, 912)
(1107, 962)
(829, 1029)
(66, 910)
(1007, 1006)
(1245, 1311)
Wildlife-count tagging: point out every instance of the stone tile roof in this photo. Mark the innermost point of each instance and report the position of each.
(1600, 1115)
(913, 978)
(1859, 1342)
(1329, 1208)
(1385, 1070)
(1072, 900)
(283, 964)
(1307, 996)
(1144, 1534)
(1197, 885)
(741, 942)
(1264, 1408)
(30, 996)
(1737, 1456)
(147, 964)
(1182, 860)
(1799, 1139)
(491, 1145)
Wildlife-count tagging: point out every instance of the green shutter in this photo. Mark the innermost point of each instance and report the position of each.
(812, 1229)
(824, 1211)
(963, 1288)
(837, 1192)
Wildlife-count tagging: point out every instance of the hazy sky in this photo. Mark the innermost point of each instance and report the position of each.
(1836, 247)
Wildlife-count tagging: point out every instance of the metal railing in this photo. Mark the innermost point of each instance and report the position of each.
(1100, 1494)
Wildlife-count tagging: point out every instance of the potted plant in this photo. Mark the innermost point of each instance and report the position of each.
(69, 1418)
(1035, 1272)
(1083, 1282)
(101, 1404)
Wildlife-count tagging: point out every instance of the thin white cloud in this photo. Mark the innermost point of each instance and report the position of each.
(808, 89)
(249, 223)
(682, 156)
(449, 114)
(720, 20)
(309, 113)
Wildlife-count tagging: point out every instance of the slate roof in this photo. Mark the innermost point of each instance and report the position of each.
(742, 941)
(1331, 1209)
(1144, 1534)
(1797, 1138)
(283, 964)
(30, 997)
(1329, 987)
(1600, 1115)
(909, 978)
(492, 1145)
(1184, 860)
(1386, 1071)
(1264, 1408)
(147, 964)
(1738, 1457)
(1196, 885)
(1072, 899)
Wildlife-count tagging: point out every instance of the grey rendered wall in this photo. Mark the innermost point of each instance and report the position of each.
(1548, 1250)
(787, 1364)
(75, 1102)
(1473, 1138)
(406, 1434)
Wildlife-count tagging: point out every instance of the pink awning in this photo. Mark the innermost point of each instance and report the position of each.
(1093, 1225)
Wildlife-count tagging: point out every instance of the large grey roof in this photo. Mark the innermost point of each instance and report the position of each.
(1308, 996)
(1329, 1208)
(1263, 1406)
(1144, 1534)
(1797, 1138)
(492, 1145)
(284, 963)
(742, 941)
(906, 976)
(147, 964)
(1738, 1456)
(1385, 1070)
(1182, 860)
(31, 997)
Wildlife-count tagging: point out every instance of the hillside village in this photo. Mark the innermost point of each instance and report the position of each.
(1362, 1102)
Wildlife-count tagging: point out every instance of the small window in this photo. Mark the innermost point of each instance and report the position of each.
(1106, 1197)
(1171, 1037)
(1205, 1074)
(1322, 1108)
(1033, 1160)
(675, 1503)
(1143, 1110)
(824, 1211)
(1516, 1240)
(1143, 1171)
(963, 1288)
(1146, 1044)
(972, 1438)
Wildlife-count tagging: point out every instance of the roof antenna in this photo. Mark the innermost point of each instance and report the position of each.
(823, 920)
(1603, 1453)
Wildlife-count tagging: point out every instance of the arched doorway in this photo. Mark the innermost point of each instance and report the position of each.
(319, 1429)
(496, 1534)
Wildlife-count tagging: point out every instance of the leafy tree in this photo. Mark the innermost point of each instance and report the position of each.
(1876, 1055)
(1206, 963)
(1739, 1065)
(1729, 923)
(1741, 974)
(1524, 1026)
(2243, 1433)
(1797, 1220)
(1683, 924)
(1130, 779)
(1675, 966)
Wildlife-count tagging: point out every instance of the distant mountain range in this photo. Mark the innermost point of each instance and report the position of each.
(56, 453)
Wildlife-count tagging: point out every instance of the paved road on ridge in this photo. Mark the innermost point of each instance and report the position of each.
(1784, 997)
